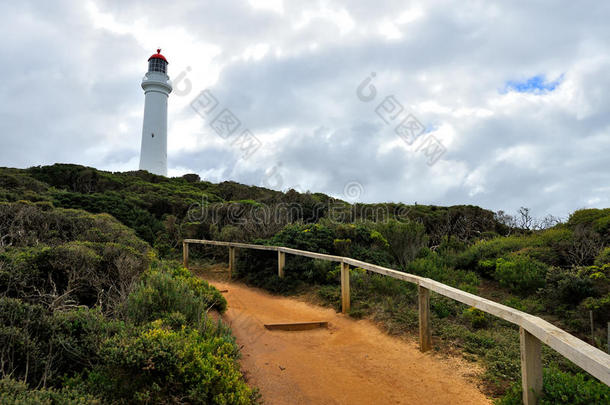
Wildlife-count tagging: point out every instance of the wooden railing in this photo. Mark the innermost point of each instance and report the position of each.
(533, 330)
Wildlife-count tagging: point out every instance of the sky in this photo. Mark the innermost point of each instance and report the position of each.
(497, 104)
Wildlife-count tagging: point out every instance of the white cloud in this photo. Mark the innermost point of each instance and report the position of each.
(289, 70)
(389, 30)
(271, 5)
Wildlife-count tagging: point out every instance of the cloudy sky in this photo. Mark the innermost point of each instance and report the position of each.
(512, 98)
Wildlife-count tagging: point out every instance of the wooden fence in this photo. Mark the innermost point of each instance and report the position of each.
(533, 330)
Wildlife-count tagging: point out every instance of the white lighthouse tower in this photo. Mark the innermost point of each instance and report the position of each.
(157, 86)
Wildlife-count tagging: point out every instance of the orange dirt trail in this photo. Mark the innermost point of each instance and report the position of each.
(351, 362)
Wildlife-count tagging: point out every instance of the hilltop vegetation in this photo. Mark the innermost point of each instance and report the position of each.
(88, 314)
(557, 270)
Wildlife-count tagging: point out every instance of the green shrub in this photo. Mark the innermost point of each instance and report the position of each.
(77, 336)
(557, 244)
(587, 216)
(553, 256)
(168, 290)
(405, 239)
(487, 266)
(259, 268)
(490, 249)
(568, 287)
(161, 365)
(24, 331)
(331, 295)
(520, 274)
(600, 307)
(315, 238)
(83, 273)
(26, 224)
(78, 258)
(563, 388)
(443, 307)
(342, 246)
(435, 266)
(378, 239)
(602, 226)
(550, 246)
(603, 257)
(14, 392)
(532, 304)
(475, 317)
(41, 346)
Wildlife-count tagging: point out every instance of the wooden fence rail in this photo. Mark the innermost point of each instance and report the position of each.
(533, 330)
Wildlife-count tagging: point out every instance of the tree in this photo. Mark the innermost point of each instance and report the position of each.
(548, 222)
(405, 239)
(585, 246)
(525, 219)
(506, 219)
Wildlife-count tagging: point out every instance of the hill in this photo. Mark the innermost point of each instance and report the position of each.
(148, 203)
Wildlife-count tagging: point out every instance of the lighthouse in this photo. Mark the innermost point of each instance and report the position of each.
(157, 86)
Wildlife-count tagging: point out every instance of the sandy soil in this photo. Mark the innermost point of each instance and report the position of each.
(351, 362)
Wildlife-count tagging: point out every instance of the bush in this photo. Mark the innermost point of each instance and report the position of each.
(81, 273)
(557, 244)
(41, 346)
(568, 286)
(17, 393)
(603, 257)
(520, 274)
(78, 258)
(490, 249)
(487, 267)
(315, 238)
(405, 239)
(434, 266)
(443, 306)
(602, 226)
(172, 289)
(342, 246)
(563, 388)
(77, 338)
(26, 224)
(587, 216)
(24, 331)
(600, 307)
(161, 365)
(476, 318)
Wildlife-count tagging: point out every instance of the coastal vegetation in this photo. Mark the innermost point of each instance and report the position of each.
(95, 306)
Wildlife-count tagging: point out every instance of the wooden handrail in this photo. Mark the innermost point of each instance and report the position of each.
(589, 358)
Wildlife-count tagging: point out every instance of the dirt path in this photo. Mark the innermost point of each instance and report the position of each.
(351, 362)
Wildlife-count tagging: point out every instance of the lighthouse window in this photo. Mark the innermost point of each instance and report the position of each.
(157, 65)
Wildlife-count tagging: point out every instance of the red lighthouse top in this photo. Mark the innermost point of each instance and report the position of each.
(158, 56)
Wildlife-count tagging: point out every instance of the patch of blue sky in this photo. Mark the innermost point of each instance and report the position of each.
(538, 84)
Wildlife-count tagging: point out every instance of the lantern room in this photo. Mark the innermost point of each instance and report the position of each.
(157, 63)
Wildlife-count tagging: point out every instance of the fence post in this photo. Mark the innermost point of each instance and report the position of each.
(281, 261)
(345, 299)
(231, 261)
(531, 367)
(425, 334)
(185, 254)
